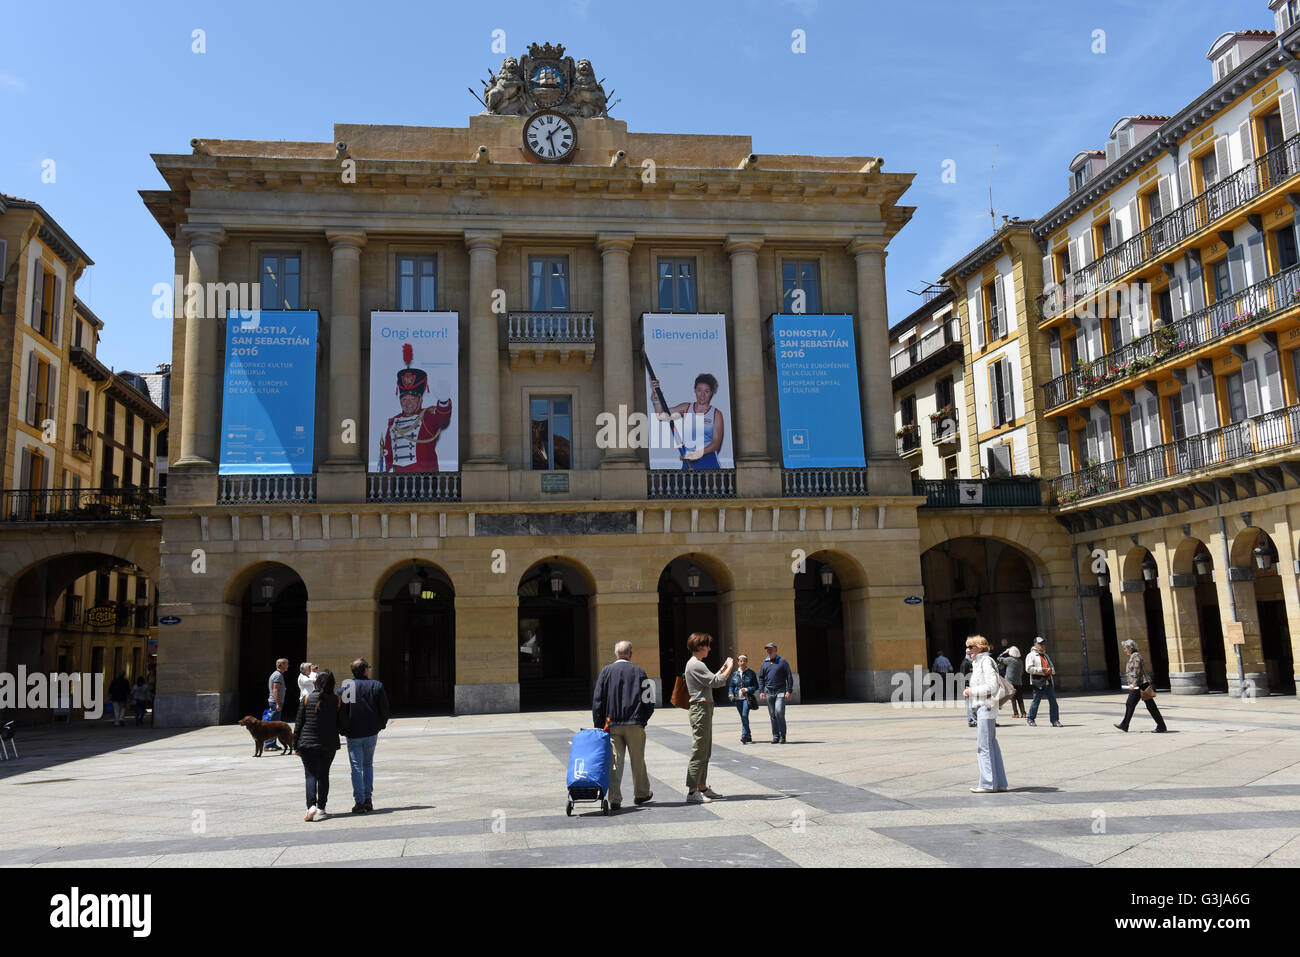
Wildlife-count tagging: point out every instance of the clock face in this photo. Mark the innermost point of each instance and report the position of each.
(550, 137)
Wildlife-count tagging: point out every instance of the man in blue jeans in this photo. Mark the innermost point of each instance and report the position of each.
(367, 705)
(1042, 676)
(775, 686)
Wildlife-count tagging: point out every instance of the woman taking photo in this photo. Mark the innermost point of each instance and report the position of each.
(316, 739)
(700, 682)
(983, 693)
(1138, 680)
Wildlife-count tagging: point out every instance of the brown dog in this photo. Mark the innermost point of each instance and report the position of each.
(264, 731)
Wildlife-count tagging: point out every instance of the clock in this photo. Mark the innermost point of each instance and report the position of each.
(549, 137)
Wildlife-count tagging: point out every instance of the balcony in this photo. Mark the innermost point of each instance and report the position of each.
(928, 354)
(1231, 193)
(1023, 492)
(266, 489)
(1262, 433)
(909, 439)
(943, 427)
(797, 483)
(705, 483)
(78, 505)
(413, 487)
(1252, 306)
(531, 336)
(82, 439)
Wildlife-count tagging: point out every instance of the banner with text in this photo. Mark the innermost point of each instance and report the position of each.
(414, 408)
(687, 356)
(817, 388)
(268, 413)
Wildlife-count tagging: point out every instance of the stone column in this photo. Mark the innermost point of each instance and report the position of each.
(1183, 629)
(887, 474)
(345, 345)
(484, 348)
(748, 403)
(200, 426)
(487, 654)
(616, 342)
(627, 616)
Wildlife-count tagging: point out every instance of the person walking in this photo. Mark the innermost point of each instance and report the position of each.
(365, 705)
(140, 697)
(1013, 669)
(775, 686)
(1042, 676)
(119, 692)
(316, 739)
(625, 699)
(943, 668)
(700, 683)
(742, 689)
(966, 664)
(1138, 680)
(275, 695)
(306, 680)
(983, 691)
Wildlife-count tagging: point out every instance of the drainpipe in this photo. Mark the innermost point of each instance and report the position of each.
(1078, 597)
(1232, 595)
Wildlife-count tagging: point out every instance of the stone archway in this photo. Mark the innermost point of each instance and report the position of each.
(695, 594)
(1144, 611)
(829, 609)
(555, 637)
(416, 638)
(1261, 607)
(271, 599)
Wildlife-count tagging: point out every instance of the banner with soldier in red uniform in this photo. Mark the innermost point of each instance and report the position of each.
(413, 396)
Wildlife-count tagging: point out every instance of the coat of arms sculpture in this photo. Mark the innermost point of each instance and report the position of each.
(545, 79)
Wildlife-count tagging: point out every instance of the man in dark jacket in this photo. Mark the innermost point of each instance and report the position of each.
(625, 696)
(119, 690)
(366, 704)
(775, 687)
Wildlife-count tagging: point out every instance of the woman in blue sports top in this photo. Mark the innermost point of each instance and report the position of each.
(710, 420)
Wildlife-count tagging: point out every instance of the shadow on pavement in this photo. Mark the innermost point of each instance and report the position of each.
(52, 745)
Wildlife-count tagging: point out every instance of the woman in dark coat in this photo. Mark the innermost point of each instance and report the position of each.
(1138, 678)
(316, 739)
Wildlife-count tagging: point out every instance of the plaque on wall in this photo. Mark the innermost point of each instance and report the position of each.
(555, 481)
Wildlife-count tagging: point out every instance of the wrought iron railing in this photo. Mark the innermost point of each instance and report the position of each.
(814, 482)
(78, 505)
(1274, 167)
(1261, 433)
(266, 489)
(979, 493)
(698, 483)
(81, 438)
(948, 334)
(1252, 305)
(543, 327)
(413, 487)
(944, 429)
(909, 440)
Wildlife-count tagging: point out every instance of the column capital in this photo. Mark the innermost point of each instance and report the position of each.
(615, 242)
(742, 244)
(196, 234)
(862, 245)
(346, 237)
(482, 239)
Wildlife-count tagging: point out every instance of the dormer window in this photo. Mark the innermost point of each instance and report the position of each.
(1225, 65)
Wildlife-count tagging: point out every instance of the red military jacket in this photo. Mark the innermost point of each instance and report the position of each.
(404, 448)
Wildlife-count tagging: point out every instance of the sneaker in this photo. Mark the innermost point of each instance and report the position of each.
(1030, 722)
(311, 813)
(320, 814)
(1057, 724)
(358, 809)
(983, 791)
(696, 797)
(776, 740)
(711, 794)
(783, 739)
(971, 724)
(369, 806)
(645, 800)
(744, 740)
(1121, 727)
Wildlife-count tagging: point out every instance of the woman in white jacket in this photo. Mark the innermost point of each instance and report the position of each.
(983, 692)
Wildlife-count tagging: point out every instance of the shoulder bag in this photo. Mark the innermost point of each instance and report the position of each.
(681, 695)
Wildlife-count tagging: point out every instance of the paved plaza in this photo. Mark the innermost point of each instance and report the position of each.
(858, 785)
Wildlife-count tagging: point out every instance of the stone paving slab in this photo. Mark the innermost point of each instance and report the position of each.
(858, 785)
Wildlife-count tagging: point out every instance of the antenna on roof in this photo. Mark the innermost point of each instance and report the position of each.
(992, 218)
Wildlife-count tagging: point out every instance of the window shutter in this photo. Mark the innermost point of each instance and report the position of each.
(1209, 413)
(1196, 288)
(1063, 449)
(1273, 398)
(994, 370)
(1166, 196)
(1153, 423)
(1134, 220)
(1140, 307)
(52, 395)
(1184, 182)
(1085, 248)
(1189, 409)
(1175, 298)
(1112, 151)
(1125, 324)
(1054, 349)
(25, 470)
(1009, 389)
(1105, 442)
(38, 295)
(976, 320)
(1222, 159)
(1136, 428)
(1095, 347)
(1286, 107)
(1008, 303)
(1247, 144)
(45, 473)
(33, 376)
(1250, 385)
(1258, 262)
(1049, 274)
(56, 326)
(1237, 267)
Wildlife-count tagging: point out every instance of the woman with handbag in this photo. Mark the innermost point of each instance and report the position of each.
(742, 689)
(700, 682)
(984, 691)
(316, 739)
(1140, 688)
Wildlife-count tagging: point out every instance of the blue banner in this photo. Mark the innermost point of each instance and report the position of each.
(268, 413)
(817, 385)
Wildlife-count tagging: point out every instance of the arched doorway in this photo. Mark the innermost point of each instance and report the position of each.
(819, 630)
(272, 625)
(1140, 568)
(417, 639)
(554, 637)
(1109, 633)
(689, 601)
(1209, 621)
(977, 586)
(1274, 633)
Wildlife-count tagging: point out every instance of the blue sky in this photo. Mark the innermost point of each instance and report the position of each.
(97, 89)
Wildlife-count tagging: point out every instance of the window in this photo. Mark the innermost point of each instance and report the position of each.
(1177, 426)
(83, 407)
(110, 418)
(677, 285)
(548, 284)
(41, 395)
(999, 460)
(1154, 212)
(1104, 237)
(1063, 261)
(33, 470)
(801, 276)
(1165, 305)
(417, 283)
(950, 467)
(551, 424)
(76, 333)
(1080, 176)
(1001, 403)
(1286, 248)
(107, 477)
(908, 410)
(281, 276)
(47, 303)
(943, 392)
(161, 449)
(1222, 280)
(1236, 397)
(1209, 170)
(1126, 429)
(1272, 123)
(994, 309)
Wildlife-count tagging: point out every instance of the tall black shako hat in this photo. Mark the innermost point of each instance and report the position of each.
(411, 381)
